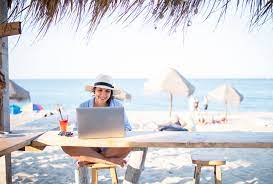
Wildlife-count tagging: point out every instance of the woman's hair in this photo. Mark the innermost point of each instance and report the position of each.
(109, 100)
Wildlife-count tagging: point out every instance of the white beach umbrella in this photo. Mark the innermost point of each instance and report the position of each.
(226, 94)
(123, 95)
(17, 92)
(172, 82)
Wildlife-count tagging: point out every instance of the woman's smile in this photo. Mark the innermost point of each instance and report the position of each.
(101, 96)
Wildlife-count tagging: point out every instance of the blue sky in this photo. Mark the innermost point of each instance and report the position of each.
(140, 50)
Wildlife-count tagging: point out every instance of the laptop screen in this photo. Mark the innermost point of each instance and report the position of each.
(100, 122)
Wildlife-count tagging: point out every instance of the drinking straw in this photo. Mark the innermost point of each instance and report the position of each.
(59, 109)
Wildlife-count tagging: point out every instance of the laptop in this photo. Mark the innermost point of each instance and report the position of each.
(100, 122)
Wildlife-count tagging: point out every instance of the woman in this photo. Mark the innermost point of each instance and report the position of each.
(103, 91)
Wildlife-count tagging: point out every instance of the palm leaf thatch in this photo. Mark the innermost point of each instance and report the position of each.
(173, 13)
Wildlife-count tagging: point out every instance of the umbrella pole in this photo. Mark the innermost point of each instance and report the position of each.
(171, 105)
(226, 114)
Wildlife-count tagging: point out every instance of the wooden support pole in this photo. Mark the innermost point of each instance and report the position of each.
(4, 69)
(5, 161)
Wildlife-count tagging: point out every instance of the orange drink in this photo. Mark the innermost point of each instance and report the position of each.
(63, 125)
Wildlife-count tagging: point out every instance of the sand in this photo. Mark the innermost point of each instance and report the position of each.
(163, 165)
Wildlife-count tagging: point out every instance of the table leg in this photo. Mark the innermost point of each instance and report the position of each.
(82, 175)
(5, 169)
(217, 175)
(197, 173)
(135, 166)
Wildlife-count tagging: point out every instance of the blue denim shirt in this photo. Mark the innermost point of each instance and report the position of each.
(113, 103)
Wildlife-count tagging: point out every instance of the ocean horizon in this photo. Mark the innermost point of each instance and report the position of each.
(257, 92)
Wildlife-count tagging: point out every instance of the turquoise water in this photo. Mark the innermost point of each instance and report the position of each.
(258, 94)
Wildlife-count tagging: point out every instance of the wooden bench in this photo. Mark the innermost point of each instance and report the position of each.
(95, 167)
(133, 170)
(202, 160)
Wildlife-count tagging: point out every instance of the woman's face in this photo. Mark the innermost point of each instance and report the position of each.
(101, 96)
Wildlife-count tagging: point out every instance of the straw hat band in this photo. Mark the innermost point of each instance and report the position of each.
(103, 81)
(103, 84)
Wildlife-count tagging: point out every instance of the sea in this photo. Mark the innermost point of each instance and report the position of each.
(69, 93)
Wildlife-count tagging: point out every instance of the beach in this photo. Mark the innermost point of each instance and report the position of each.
(163, 165)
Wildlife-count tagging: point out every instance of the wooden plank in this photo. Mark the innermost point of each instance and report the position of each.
(32, 149)
(101, 165)
(13, 142)
(207, 159)
(9, 29)
(167, 139)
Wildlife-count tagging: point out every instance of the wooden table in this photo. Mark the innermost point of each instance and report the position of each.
(14, 142)
(20, 139)
(166, 139)
(8, 144)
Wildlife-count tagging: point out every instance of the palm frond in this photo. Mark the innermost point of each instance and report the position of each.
(173, 12)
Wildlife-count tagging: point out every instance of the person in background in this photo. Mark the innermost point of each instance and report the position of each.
(102, 96)
(193, 104)
(196, 115)
(196, 104)
(206, 103)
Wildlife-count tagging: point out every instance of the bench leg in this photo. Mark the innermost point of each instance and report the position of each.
(217, 175)
(114, 175)
(197, 173)
(94, 176)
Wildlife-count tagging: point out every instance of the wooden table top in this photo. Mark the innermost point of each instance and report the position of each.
(166, 139)
(13, 142)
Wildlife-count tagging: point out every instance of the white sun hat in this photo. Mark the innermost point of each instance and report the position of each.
(103, 81)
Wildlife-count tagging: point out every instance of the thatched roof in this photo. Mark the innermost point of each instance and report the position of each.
(172, 12)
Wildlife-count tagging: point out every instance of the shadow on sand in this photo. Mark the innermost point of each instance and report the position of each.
(243, 166)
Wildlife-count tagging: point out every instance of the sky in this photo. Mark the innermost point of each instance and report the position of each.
(140, 50)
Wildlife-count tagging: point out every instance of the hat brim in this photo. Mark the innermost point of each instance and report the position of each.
(90, 88)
